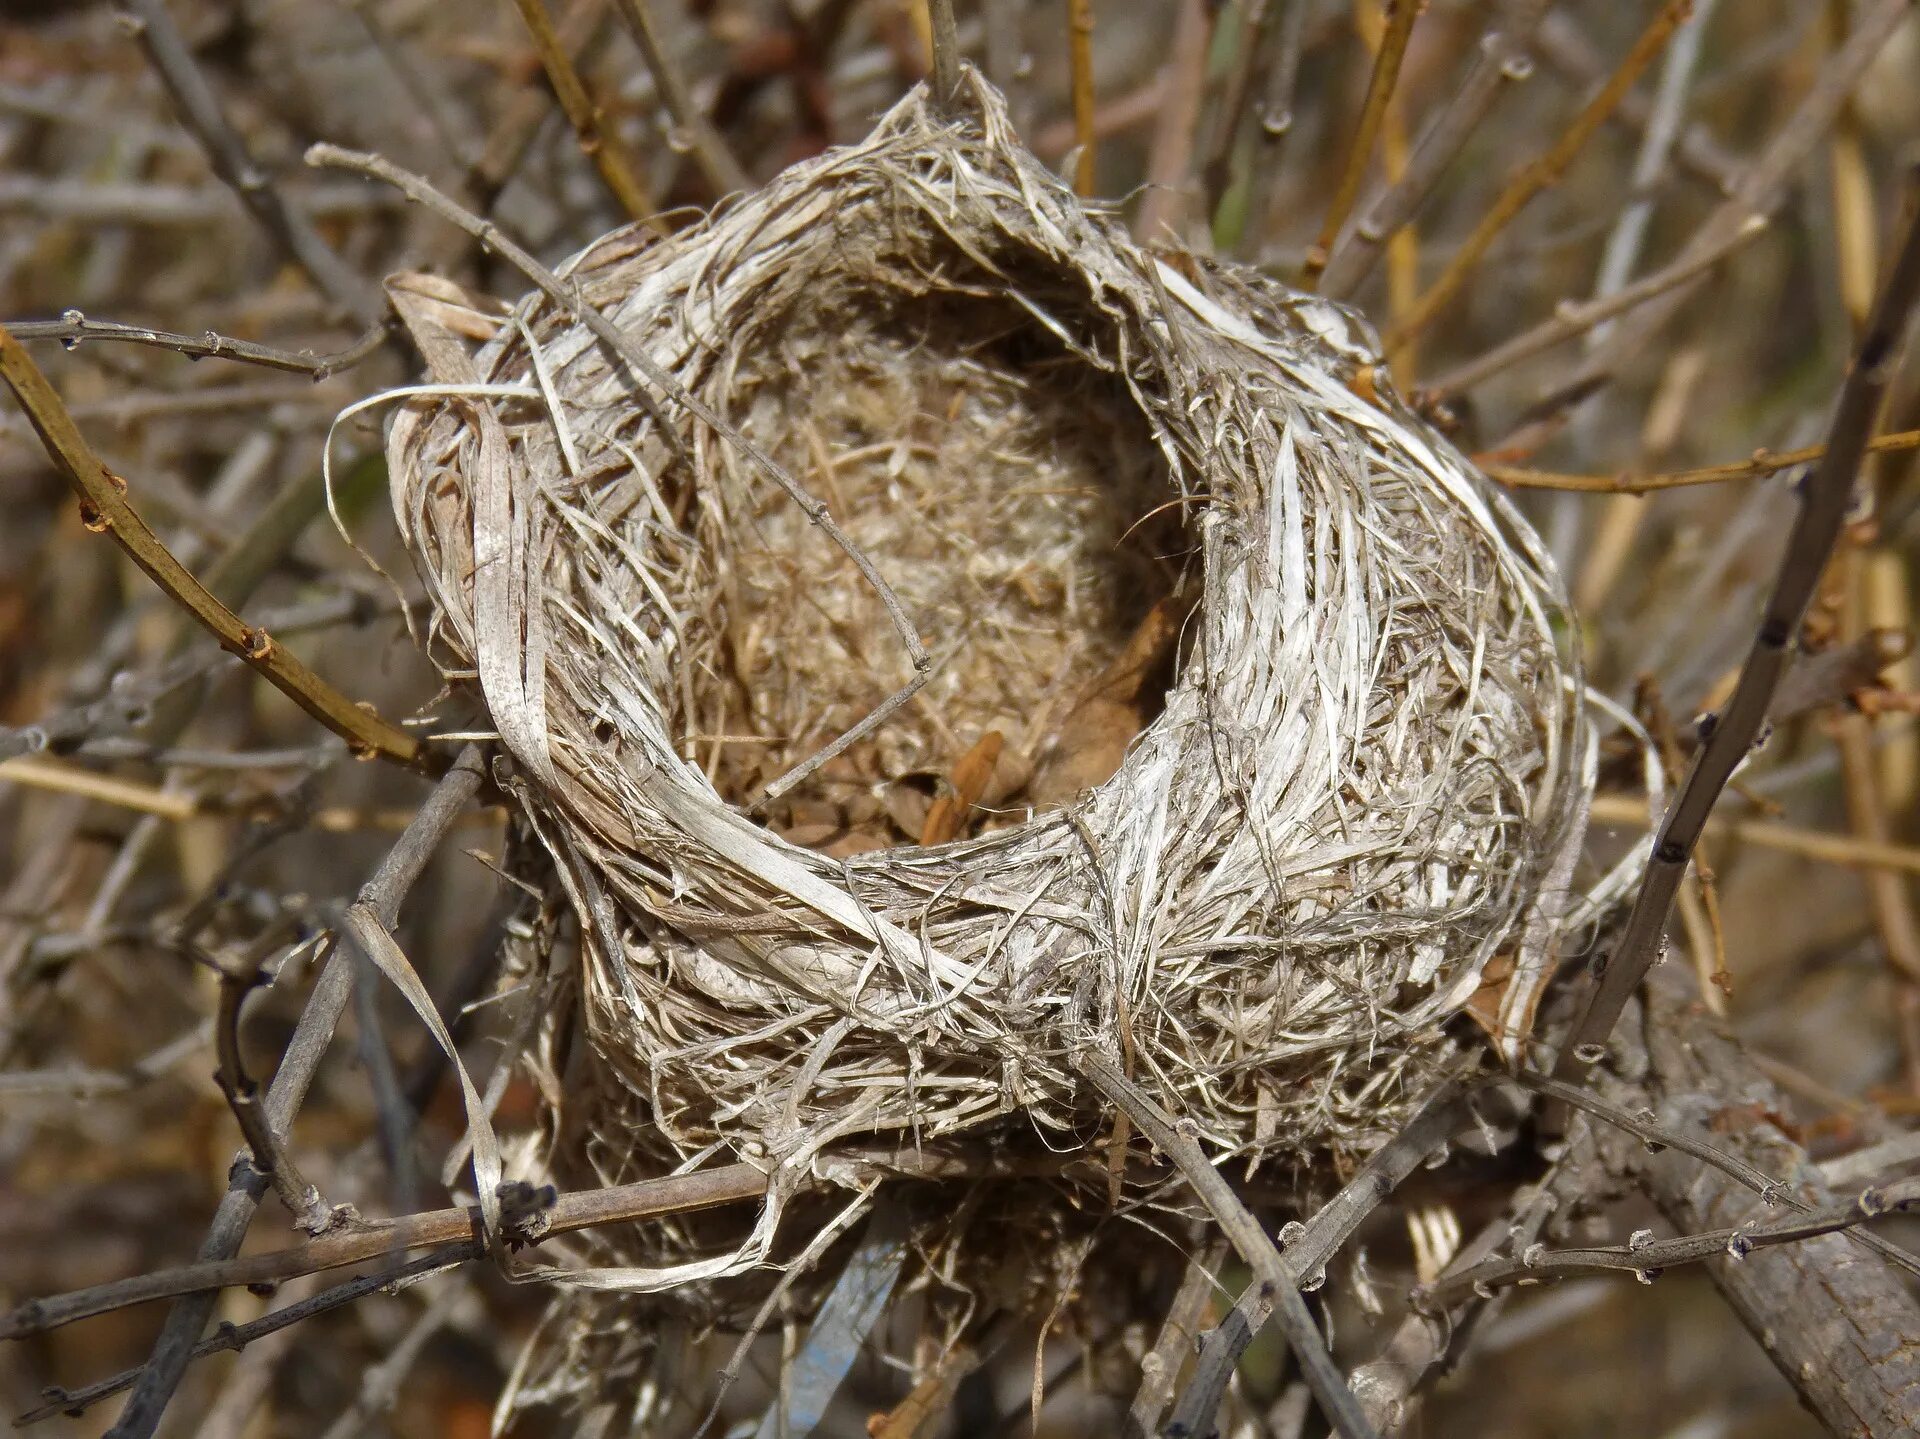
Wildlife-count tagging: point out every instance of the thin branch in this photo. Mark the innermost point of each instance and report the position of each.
(1649, 1131)
(200, 108)
(398, 872)
(104, 507)
(597, 141)
(1560, 44)
(1080, 64)
(564, 1214)
(1759, 465)
(73, 327)
(1178, 1331)
(1760, 190)
(238, 979)
(1386, 73)
(1572, 318)
(1170, 152)
(1309, 1251)
(1502, 59)
(1826, 496)
(724, 173)
(945, 44)
(1649, 1257)
(1540, 174)
(235, 1337)
(1243, 1231)
(566, 295)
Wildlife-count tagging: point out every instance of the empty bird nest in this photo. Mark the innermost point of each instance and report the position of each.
(1242, 750)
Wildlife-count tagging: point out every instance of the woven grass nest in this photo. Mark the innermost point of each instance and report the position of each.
(1245, 712)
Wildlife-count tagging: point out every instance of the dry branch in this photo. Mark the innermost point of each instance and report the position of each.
(104, 507)
(1826, 498)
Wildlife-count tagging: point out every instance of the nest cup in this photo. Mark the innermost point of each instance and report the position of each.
(1071, 459)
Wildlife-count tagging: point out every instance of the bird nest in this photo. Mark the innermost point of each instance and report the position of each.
(1243, 750)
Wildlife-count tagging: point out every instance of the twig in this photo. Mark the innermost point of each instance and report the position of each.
(173, 1350)
(1561, 44)
(1502, 58)
(1758, 192)
(1309, 1251)
(1570, 319)
(1827, 848)
(945, 44)
(1650, 1256)
(1080, 63)
(1838, 1327)
(1178, 1331)
(1826, 496)
(567, 1213)
(1620, 256)
(568, 298)
(1386, 73)
(73, 327)
(227, 152)
(1649, 1131)
(1759, 465)
(1243, 1231)
(724, 173)
(104, 506)
(1170, 152)
(71, 1402)
(597, 141)
(238, 979)
(1540, 174)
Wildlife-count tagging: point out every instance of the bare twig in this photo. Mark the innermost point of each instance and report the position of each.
(1244, 1232)
(238, 978)
(1080, 61)
(1166, 203)
(436, 1229)
(234, 1337)
(1759, 190)
(1820, 845)
(945, 44)
(1560, 44)
(74, 327)
(1649, 1256)
(1386, 73)
(1502, 58)
(1826, 496)
(724, 173)
(104, 507)
(568, 298)
(1309, 1251)
(1757, 466)
(1178, 1331)
(1838, 1327)
(227, 152)
(173, 1350)
(597, 140)
(1570, 319)
(1540, 174)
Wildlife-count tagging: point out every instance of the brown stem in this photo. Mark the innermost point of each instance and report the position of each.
(1386, 73)
(104, 507)
(1827, 493)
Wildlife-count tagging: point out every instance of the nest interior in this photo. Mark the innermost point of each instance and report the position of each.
(1348, 800)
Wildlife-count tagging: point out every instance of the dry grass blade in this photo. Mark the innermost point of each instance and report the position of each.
(1080, 60)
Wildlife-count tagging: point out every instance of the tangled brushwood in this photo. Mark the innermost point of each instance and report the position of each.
(1246, 750)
